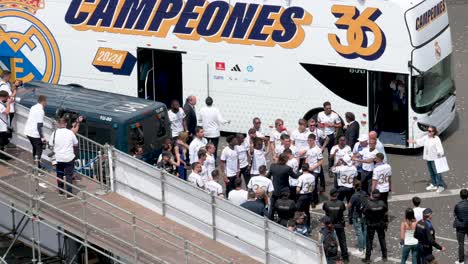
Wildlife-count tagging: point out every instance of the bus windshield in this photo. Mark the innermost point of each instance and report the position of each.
(433, 86)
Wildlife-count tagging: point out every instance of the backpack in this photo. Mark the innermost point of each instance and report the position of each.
(330, 245)
(363, 200)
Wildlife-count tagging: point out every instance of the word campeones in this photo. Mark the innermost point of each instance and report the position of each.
(249, 24)
(431, 15)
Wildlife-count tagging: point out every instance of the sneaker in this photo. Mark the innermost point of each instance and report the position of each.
(69, 197)
(431, 188)
(384, 259)
(61, 194)
(458, 262)
(440, 189)
(366, 260)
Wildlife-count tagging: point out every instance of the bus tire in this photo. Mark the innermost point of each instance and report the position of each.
(75, 85)
(313, 113)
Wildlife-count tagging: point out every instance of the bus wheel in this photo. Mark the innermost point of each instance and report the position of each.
(75, 85)
(313, 113)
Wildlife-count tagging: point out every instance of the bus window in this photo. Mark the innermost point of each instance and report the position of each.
(100, 134)
(348, 83)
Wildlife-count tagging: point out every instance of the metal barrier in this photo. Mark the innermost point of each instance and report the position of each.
(217, 218)
(138, 227)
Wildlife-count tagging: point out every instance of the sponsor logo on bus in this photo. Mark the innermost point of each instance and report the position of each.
(220, 66)
(357, 24)
(118, 62)
(216, 21)
(25, 39)
(431, 15)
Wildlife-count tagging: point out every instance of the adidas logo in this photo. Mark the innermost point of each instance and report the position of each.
(236, 68)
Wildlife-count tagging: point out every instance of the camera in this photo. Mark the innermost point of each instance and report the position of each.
(70, 116)
(51, 155)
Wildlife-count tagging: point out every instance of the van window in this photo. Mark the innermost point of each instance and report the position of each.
(348, 83)
(148, 132)
(100, 133)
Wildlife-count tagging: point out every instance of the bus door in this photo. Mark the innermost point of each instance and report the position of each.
(388, 107)
(159, 75)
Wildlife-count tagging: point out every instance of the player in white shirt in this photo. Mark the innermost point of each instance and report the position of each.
(210, 163)
(198, 142)
(5, 106)
(6, 86)
(195, 178)
(294, 164)
(238, 196)
(243, 151)
(314, 159)
(275, 135)
(329, 121)
(345, 174)
(177, 118)
(33, 127)
(285, 144)
(366, 157)
(230, 162)
(211, 120)
(321, 139)
(305, 189)
(212, 186)
(359, 146)
(340, 150)
(299, 138)
(257, 156)
(382, 177)
(261, 181)
(202, 156)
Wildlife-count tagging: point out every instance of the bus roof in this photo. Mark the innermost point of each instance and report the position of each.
(93, 104)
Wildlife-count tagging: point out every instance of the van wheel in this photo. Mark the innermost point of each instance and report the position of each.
(313, 113)
(75, 85)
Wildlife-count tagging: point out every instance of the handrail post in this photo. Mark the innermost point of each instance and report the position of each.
(134, 230)
(267, 254)
(84, 202)
(38, 240)
(33, 239)
(186, 252)
(163, 192)
(213, 215)
(37, 193)
(101, 190)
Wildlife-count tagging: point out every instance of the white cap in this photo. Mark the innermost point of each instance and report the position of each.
(347, 159)
(363, 137)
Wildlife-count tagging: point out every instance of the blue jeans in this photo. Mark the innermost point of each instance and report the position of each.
(436, 178)
(406, 251)
(361, 232)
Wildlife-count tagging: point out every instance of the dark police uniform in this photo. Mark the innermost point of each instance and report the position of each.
(285, 208)
(375, 215)
(461, 225)
(425, 234)
(335, 209)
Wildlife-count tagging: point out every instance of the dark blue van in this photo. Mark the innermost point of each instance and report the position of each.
(122, 121)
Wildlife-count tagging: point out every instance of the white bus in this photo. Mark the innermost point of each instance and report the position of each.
(388, 62)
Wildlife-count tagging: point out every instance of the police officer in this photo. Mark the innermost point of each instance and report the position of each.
(285, 207)
(330, 246)
(335, 210)
(461, 223)
(375, 214)
(356, 218)
(425, 234)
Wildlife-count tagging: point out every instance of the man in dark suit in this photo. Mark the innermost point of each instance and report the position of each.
(352, 130)
(190, 115)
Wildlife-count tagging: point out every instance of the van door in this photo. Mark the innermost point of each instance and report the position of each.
(388, 107)
(159, 75)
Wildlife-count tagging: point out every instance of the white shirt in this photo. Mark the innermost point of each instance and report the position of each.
(237, 197)
(194, 147)
(432, 147)
(366, 154)
(313, 156)
(208, 167)
(230, 156)
(63, 141)
(36, 115)
(6, 86)
(211, 119)
(196, 179)
(300, 139)
(382, 174)
(306, 183)
(345, 175)
(242, 150)
(214, 188)
(258, 160)
(319, 134)
(275, 136)
(5, 119)
(332, 118)
(279, 150)
(341, 152)
(294, 164)
(418, 213)
(261, 182)
(380, 147)
(177, 121)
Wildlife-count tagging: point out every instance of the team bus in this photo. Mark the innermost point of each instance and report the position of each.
(388, 62)
(122, 121)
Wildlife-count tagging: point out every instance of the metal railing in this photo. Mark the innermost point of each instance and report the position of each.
(125, 219)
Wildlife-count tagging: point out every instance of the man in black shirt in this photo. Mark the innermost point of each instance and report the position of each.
(280, 173)
(425, 234)
(461, 223)
(375, 214)
(356, 205)
(285, 207)
(253, 204)
(335, 210)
